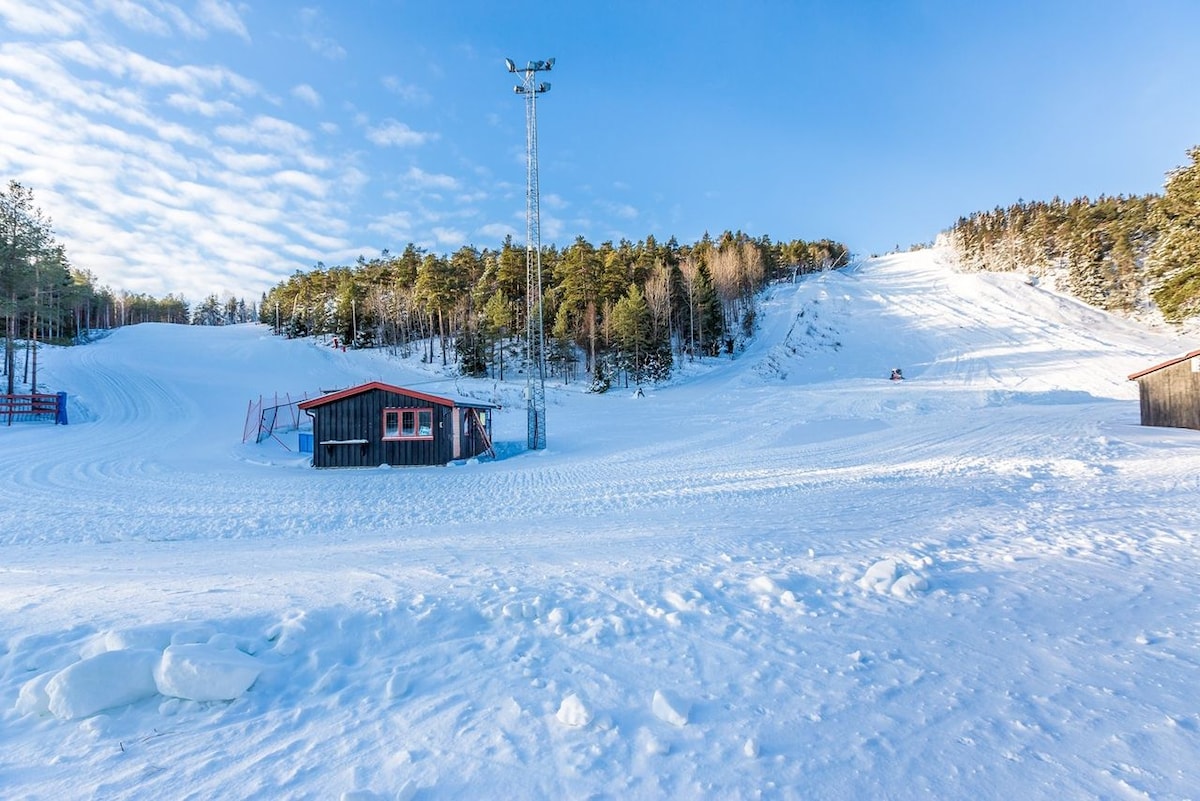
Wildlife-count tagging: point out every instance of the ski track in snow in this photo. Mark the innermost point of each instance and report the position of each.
(782, 576)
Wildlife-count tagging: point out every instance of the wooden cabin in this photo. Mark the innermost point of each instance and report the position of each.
(1170, 392)
(376, 424)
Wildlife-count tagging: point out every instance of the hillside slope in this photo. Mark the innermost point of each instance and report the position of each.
(780, 576)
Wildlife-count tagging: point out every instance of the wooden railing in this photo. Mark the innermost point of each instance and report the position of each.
(25, 406)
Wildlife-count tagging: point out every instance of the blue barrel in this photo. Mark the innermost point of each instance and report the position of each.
(306, 442)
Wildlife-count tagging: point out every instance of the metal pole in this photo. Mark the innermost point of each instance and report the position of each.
(535, 331)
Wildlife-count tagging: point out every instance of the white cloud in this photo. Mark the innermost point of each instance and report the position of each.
(552, 228)
(302, 181)
(321, 241)
(394, 227)
(126, 64)
(138, 17)
(393, 133)
(408, 92)
(43, 18)
(353, 179)
(449, 237)
(137, 208)
(417, 177)
(622, 210)
(306, 94)
(196, 105)
(246, 162)
(269, 132)
(497, 231)
(163, 176)
(311, 26)
(311, 161)
(221, 15)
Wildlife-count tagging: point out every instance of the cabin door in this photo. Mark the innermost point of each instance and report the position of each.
(456, 415)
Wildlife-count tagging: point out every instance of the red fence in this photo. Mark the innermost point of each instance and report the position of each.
(24, 407)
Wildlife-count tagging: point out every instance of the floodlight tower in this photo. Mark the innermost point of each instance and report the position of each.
(535, 330)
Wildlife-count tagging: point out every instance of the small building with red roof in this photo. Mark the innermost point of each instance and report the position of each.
(377, 424)
(1170, 392)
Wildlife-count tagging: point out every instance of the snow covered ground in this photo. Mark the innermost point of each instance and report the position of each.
(782, 576)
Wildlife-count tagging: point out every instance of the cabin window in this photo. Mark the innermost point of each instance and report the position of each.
(408, 423)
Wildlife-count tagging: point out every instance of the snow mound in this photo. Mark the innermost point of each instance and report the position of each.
(573, 712)
(101, 682)
(205, 672)
(669, 709)
(106, 679)
(888, 577)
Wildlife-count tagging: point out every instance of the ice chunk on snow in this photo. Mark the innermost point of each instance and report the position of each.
(573, 712)
(669, 710)
(104, 681)
(140, 638)
(886, 576)
(764, 585)
(880, 576)
(909, 584)
(201, 672)
(32, 699)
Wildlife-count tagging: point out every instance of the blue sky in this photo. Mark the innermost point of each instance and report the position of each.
(216, 146)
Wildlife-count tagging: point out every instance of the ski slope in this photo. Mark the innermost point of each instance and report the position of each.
(780, 576)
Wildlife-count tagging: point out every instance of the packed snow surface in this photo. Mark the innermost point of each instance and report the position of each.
(780, 576)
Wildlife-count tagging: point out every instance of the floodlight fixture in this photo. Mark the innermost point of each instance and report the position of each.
(508, 62)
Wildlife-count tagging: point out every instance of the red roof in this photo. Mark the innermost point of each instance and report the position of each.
(412, 393)
(1167, 363)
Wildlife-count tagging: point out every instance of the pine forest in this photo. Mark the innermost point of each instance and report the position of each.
(1122, 254)
(624, 312)
(613, 313)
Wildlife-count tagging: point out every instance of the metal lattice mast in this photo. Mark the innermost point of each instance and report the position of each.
(535, 330)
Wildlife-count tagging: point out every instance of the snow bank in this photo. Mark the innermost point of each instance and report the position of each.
(106, 679)
(100, 682)
(204, 672)
(888, 577)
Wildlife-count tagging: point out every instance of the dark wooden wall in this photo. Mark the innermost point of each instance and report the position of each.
(361, 417)
(1171, 396)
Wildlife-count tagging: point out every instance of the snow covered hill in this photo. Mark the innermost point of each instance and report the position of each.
(781, 576)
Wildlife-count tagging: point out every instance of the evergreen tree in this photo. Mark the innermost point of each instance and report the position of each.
(632, 333)
(709, 314)
(497, 314)
(24, 240)
(1176, 253)
(579, 297)
(209, 312)
(601, 381)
